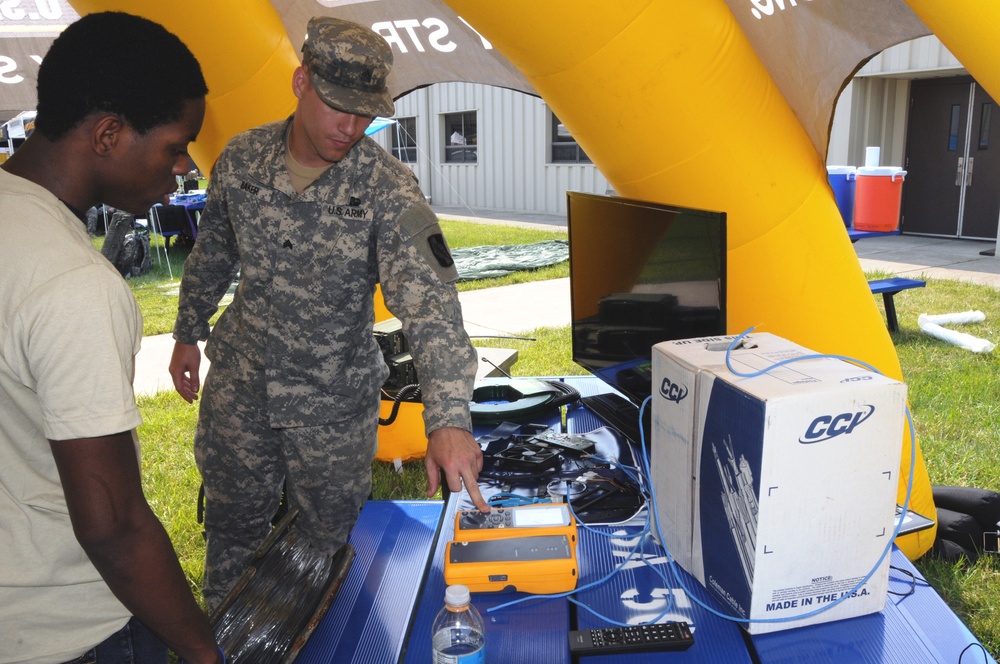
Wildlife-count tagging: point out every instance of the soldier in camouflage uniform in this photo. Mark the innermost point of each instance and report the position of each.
(312, 214)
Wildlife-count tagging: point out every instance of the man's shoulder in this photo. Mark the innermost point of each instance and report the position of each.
(26, 190)
(385, 166)
(36, 224)
(257, 138)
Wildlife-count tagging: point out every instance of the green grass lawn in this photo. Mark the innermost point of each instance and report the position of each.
(954, 396)
(156, 291)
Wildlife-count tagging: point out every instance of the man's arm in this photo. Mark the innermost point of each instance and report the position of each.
(416, 274)
(127, 543)
(208, 272)
(212, 264)
(457, 453)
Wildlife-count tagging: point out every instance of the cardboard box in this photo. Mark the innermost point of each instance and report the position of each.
(777, 491)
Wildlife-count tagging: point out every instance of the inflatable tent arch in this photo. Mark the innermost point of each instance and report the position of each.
(728, 141)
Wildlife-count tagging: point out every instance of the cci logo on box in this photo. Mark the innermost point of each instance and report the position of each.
(826, 427)
(672, 391)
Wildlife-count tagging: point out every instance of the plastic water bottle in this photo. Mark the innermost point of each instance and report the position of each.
(458, 636)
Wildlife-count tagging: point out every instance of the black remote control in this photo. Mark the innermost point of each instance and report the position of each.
(621, 640)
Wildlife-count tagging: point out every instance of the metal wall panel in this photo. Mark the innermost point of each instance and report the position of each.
(925, 55)
(877, 100)
(513, 173)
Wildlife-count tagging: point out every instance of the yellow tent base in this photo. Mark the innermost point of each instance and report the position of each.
(404, 439)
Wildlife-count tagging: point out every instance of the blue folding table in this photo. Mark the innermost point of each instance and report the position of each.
(395, 587)
(915, 626)
(369, 620)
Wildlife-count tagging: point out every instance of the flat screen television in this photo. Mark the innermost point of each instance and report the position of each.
(641, 273)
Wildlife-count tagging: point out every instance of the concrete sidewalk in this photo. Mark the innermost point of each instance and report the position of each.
(495, 312)
(491, 312)
(936, 258)
(518, 309)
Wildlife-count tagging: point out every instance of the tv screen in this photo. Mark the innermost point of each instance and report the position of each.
(641, 273)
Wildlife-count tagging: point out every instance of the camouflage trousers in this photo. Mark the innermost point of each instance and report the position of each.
(326, 471)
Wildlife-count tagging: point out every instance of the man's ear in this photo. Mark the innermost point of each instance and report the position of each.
(105, 133)
(300, 81)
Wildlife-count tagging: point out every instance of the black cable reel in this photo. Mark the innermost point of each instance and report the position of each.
(518, 399)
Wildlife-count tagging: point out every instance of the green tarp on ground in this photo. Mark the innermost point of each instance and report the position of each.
(500, 260)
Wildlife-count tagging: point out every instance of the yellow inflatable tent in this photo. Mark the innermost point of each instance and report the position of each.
(725, 136)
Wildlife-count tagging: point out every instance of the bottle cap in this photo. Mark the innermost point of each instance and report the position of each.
(457, 595)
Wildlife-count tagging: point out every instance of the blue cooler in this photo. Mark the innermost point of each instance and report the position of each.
(843, 180)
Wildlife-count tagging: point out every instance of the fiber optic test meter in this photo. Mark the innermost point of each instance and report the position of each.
(531, 548)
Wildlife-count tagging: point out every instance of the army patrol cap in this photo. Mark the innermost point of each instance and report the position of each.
(348, 65)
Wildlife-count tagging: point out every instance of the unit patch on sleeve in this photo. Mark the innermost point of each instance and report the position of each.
(419, 226)
(440, 250)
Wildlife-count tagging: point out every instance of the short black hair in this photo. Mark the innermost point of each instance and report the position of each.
(114, 62)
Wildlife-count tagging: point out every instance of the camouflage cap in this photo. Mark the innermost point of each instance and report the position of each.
(348, 66)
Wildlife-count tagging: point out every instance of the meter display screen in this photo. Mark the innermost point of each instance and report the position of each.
(541, 516)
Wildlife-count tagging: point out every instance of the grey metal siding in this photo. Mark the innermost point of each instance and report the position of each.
(512, 172)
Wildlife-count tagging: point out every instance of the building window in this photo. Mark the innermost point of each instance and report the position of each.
(956, 114)
(564, 147)
(404, 140)
(460, 138)
(984, 126)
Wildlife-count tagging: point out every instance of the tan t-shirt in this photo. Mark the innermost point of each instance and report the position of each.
(69, 332)
(300, 175)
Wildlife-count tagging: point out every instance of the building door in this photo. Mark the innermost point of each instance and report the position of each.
(981, 207)
(952, 185)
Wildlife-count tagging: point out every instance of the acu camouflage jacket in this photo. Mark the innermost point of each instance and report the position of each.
(308, 265)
